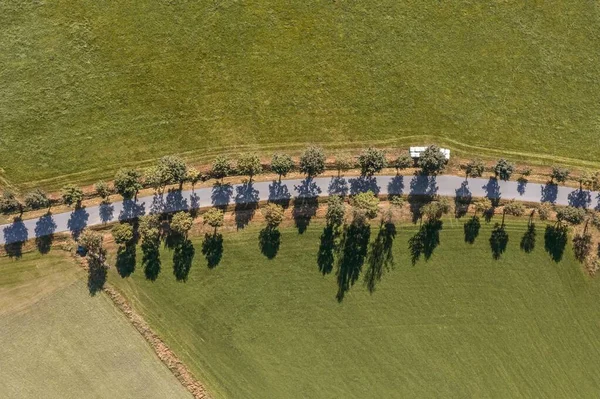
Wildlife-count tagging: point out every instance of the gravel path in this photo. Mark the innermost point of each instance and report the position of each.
(222, 195)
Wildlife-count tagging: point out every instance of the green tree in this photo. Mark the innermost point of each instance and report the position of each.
(181, 223)
(586, 180)
(91, 241)
(282, 164)
(436, 209)
(37, 199)
(214, 218)
(193, 176)
(343, 163)
(249, 165)
(273, 214)
(504, 169)
(404, 161)
(149, 227)
(103, 190)
(221, 167)
(9, 202)
(432, 161)
(367, 204)
(312, 161)
(72, 195)
(128, 183)
(173, 169)
(155, 179)
(474, 168)
(122, 233)
(371, 161)
(559, 174)
(336, 211)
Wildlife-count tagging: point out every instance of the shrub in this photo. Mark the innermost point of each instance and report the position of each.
(37, 199)
(544, 209)
(559, 174)
(367, 203)
(9, 202)
(475, 168)
(570, 215)
(336, 211)
(404, 161)
(503, 169)
(344, 162)
(103, 190)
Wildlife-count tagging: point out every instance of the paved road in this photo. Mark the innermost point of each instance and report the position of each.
(221, 195)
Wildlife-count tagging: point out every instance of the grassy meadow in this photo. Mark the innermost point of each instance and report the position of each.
(88, 86)
(457, 324)
(58, 342)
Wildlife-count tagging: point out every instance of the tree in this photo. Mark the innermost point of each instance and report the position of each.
(559, 174)
(128, 183)
(544, 209)
(344, 162)
(214, 218)
(9, 202)
(436, 209)
(149, 227)
(249, 165)
(371, 161)
(91, 241)
(221, 167)
(474, 168)
(37, 199)
(312, 161)
(336, 211)
(122, 233)
(193, 176)
(366, 203)
(504, 169)
(273, 214)
(432, 161)
(586, 180)
(181, 223)
(570, 215)
(155, 178)
(404, 161)
(103, 190)
(173, 169)
(282, 164)
(72, 195)
(482, 205)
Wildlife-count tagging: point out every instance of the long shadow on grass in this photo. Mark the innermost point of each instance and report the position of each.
(555, 240)
(498, 241)
(151, 259)
(471, 229)
(183, 255)
(305, 204)
(269, 240)
(212, 249)
(354, 247)
(327, 249)
(425, 240)
(528, 239)
(96, 275)
(381, 257)
(126, 258)
(246, 203)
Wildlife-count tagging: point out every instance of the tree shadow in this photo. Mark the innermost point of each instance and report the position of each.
(106, 211)
(131, 210)
(381, 256)
(221, 195)
(151, 259)
(194, 204)
(269, 240)
(183, 255)
(498, 241)
(462, 199)
(354, 247)
(580, 198)
(425, 240)
(77, 222)
(396, 185)
(15, 236)
(305, 204)
(96, 276)
(327, 249)
(549, 193)
(175, 202)
(212, 249)
(555, 240)
(582, 245)
(126, 258)
(492, 191)
(338, 186)
(279, 193)
(44, 233)
(246, 203)
(423, 189)
(521, 185)
(528, 239)
(363, 184)
(471, 229)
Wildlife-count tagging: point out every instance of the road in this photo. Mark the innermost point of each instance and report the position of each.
(221, 195)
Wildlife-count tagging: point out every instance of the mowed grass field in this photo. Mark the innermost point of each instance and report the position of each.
(458, 325)
(58, 342)
(88, 86)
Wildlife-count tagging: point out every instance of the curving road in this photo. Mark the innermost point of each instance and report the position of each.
(222, 195)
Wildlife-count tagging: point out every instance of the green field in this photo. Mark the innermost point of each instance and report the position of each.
(88, 85)
(58, 342)
(458, 325)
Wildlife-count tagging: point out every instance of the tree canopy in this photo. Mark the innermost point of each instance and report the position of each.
(273, 214)
(312, 161)
(103, 190)
(282, 164)
(249, 165)
(475, 168)
(504, 169)
(181, 222)
(128, 183)
(404, 161)
(72, 195)
(9, 202)
(432, 161)
(336, 211)
(221, 167)
(122, 233)
(367, 203)
(37, 199)
(213, 217)
(559, 174)
(371, 161)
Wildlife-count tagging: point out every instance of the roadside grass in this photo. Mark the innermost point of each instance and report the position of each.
(88, 86)
(58, 342)
(460, 324)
